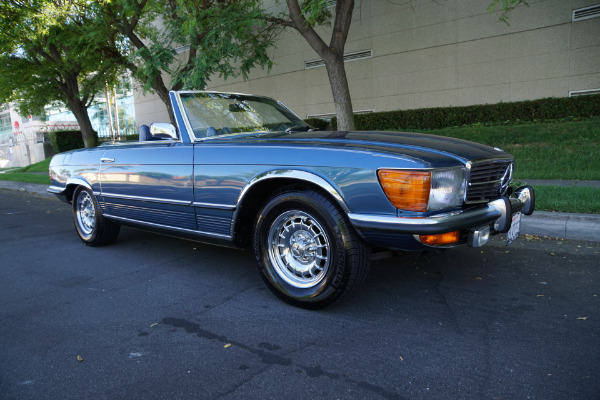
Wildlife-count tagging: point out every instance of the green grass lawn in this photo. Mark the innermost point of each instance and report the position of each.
(567, 199)
(551, 150)
(25, 177)
(41, 166)
(34, 173)
(555, 150)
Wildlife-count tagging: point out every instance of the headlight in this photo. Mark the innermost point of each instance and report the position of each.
(447, 188)
(420, 191)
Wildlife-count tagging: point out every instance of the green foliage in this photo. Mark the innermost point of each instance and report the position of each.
(41, 166)
(507, 6)
(25, 177)
(51, 52)
(226, 38)
(567, 199)
(65, 140)
(318, 123)
(316, 12)
(437, 118)
(128, 138)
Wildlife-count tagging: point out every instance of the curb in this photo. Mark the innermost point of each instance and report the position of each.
(562, 225)
(568, 226)
(26, 187)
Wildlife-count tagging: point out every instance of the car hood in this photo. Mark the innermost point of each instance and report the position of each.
(405, 143)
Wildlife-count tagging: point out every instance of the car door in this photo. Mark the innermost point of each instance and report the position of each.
(149, 182)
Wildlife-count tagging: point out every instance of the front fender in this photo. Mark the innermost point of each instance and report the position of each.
(301, 176)
(65, 193)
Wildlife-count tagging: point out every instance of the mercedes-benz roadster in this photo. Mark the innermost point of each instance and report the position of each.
(241, 170)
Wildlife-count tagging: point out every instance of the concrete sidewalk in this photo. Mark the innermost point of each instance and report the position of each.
(541, 223)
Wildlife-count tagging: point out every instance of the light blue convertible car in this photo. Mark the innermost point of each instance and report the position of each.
(241, 170)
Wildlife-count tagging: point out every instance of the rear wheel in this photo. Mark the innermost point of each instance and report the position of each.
(307, 252)
(91, 226)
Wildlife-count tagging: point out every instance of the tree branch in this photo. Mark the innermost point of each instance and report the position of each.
(341, 26)
(307, 31)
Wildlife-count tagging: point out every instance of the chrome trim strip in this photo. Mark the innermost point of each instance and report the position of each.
(78, 181)
(56, 189)
(184, 117)
(295, 174)
(142, 198)
(440, 223)
(213, 205)
(180, 109)
(485, 183)
(169, 228)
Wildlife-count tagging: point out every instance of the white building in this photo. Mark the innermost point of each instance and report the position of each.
(406, 54)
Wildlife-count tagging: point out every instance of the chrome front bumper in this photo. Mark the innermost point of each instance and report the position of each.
(497, 214)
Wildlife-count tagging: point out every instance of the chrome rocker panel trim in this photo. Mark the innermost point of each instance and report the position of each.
(143, 198)
(198, 236)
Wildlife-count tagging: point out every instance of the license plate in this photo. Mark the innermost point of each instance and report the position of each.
(515, 228)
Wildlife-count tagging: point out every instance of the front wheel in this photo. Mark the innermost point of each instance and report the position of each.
(91, 226)
(307, 252)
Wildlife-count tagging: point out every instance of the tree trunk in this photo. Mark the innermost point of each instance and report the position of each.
(79, 109)
(163, 93)
(341, 93)
(332, 54)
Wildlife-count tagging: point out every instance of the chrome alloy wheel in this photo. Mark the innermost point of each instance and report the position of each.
(299, 249)
(86, 213)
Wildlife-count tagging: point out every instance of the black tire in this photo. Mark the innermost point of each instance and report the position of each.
(307, 252)
(93, 229)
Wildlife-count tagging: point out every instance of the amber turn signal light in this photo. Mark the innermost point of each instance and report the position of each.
(406, 190)
(444, 238)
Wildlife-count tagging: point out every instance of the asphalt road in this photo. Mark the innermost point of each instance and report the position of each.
(153, 317)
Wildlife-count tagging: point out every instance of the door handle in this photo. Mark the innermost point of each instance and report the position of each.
(107, 160)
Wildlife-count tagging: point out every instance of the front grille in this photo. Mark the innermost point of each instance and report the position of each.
(485, 180)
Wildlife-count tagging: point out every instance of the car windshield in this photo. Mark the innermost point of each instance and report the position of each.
(214, 114)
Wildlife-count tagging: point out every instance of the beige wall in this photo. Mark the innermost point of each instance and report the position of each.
(434, 53)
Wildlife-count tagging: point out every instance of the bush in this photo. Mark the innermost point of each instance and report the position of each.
(318, 123)
(65, 140)
(130, 137)
(443, 117)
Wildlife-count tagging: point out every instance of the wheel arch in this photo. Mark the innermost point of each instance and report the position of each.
(72, 184)
(263, 186)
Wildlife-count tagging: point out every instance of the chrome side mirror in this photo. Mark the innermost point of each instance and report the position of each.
(163, 130)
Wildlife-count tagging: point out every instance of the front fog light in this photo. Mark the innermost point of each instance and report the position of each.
(441, 239)
(479, 237)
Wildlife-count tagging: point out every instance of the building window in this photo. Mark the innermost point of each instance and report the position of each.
(5, 122)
